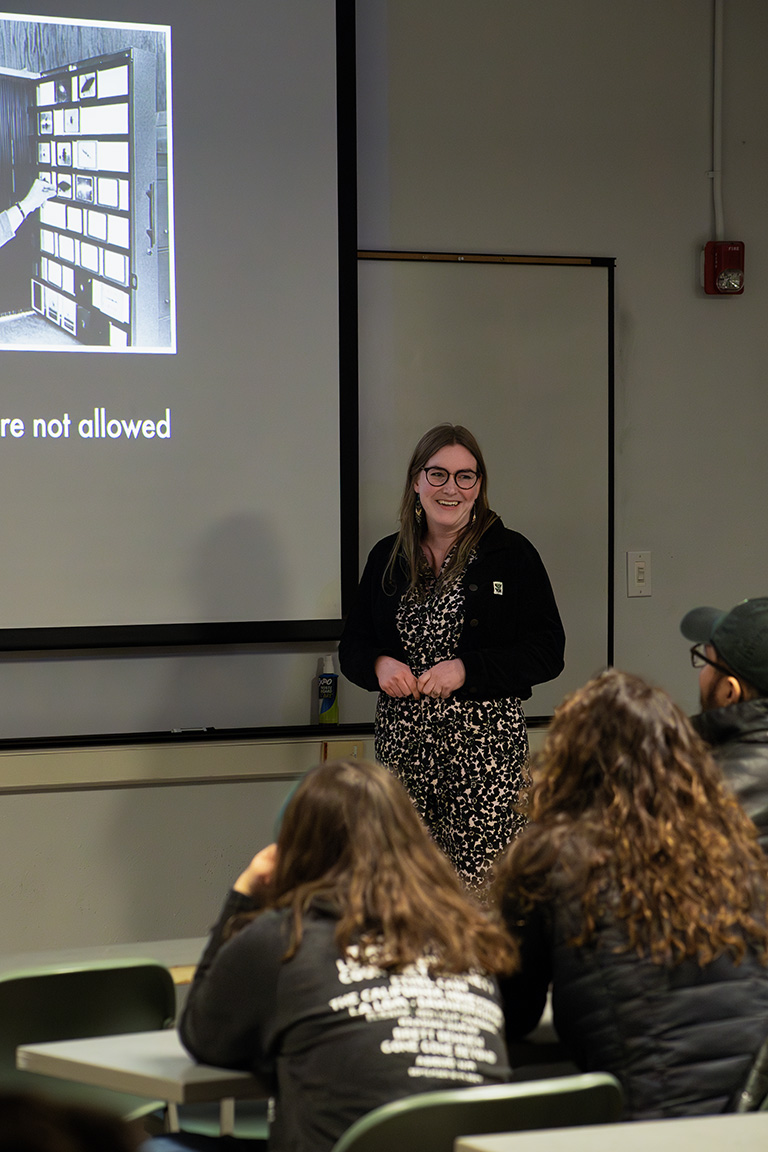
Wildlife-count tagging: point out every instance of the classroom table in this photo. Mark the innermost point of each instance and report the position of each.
(151, 1064)
(743, 1133)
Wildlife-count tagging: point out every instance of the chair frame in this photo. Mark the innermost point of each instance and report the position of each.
(432, 1121)
(68, 1001)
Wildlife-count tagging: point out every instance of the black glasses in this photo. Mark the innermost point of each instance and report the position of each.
(439, 476)
(699, 659)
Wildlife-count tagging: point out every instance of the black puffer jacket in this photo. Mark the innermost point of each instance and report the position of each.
(738, 736)
(681, 1040)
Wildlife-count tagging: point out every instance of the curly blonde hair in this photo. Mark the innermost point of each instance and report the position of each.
(630, 815)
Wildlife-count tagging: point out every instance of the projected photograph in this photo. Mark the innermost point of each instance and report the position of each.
(85, 118)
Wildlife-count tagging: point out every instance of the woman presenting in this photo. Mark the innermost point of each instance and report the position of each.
(455, 620)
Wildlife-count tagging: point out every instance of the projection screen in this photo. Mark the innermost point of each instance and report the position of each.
(176, 235)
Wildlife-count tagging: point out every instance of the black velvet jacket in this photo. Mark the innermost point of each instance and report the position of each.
(512, 636)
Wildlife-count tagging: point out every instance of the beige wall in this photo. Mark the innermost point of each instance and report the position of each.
(118, 844)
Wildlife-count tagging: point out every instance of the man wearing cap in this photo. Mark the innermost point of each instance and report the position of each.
(731, 650)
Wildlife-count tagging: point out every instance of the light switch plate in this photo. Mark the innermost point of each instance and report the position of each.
(638, 573)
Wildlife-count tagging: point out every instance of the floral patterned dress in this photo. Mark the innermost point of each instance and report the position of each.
(463, 762)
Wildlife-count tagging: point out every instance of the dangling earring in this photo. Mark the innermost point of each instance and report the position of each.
(418, 511)
(474, 512)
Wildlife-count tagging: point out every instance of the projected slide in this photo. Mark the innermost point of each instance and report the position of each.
(169, 182)
(88, 232)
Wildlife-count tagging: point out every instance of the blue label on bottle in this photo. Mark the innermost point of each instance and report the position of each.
(329, 707)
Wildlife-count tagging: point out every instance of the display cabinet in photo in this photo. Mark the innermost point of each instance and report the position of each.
(98, 268)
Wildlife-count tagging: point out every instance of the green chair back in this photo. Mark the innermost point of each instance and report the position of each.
(431, 1121)
(71, 1001)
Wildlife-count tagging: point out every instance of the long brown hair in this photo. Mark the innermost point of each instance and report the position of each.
(630, 817)
(351, 836)
(412, 529)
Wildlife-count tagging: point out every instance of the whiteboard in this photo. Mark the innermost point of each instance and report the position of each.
(520, 352)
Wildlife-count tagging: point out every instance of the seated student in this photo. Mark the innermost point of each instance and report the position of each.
(365, 977)
(639, 892)
(731, 653)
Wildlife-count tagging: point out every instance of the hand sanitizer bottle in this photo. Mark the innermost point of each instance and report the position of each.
(327, 685)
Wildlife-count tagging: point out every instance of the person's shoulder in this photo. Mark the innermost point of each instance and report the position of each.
(497, 537)
(382, 550)
(318, 933)
(266, 924)
(386, 544)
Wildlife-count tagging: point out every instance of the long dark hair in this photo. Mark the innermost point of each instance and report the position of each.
(351, 837)
(408, 543)
(631, 815)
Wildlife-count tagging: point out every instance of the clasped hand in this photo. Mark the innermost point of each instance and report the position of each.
(440, 681)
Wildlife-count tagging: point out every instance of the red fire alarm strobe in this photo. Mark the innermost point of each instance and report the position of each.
(724, 268)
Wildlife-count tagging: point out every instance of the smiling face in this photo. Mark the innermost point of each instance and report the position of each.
(448, 508)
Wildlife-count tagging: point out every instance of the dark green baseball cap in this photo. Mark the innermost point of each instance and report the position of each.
(740, 637)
